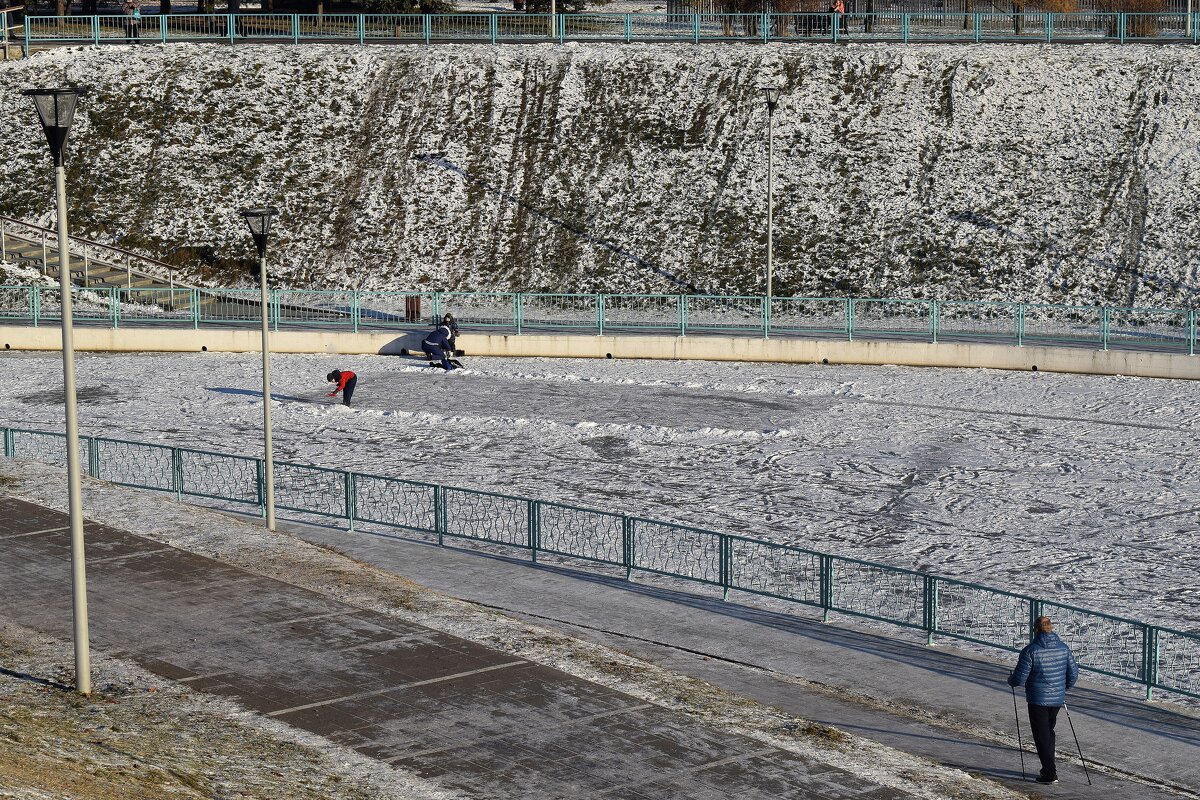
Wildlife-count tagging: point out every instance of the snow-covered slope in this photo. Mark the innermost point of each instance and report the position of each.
(998, 171)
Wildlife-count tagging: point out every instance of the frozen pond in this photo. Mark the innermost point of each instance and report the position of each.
(1073, 488)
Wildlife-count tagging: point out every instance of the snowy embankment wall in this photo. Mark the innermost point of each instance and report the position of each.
(1016, 172)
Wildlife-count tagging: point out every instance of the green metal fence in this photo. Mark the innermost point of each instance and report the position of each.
(1153, 329)
(43, 31)
(1151, 656)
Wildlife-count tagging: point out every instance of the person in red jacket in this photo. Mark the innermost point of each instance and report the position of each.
(346, 381)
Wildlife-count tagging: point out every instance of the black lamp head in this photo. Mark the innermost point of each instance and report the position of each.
(258, 220)
(56, 110)
(772, 95)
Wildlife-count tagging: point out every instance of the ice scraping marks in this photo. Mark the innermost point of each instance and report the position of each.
(439, 160)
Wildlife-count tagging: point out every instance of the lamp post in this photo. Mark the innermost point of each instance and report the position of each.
(772, 96)
(259, 222)
(56, 110)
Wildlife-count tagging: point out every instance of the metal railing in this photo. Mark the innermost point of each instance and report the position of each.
(923, 26)
(1149, 655)
(87, 256)
(1164, 330)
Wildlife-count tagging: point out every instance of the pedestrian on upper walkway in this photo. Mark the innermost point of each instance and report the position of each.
(346, 381)
(1047, 669)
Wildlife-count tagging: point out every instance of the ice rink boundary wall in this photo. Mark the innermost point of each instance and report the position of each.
(700, 348)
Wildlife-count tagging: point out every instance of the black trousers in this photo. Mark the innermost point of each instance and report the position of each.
(1042, 719)
(435, 353)
(348, 390)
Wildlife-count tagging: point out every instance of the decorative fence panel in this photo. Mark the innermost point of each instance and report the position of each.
(581, 533)
(1149, 656)
(395, 503)
(143, 466)
(678, 550)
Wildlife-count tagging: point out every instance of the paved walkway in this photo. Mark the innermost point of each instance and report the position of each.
(753, 653)
(474, 719)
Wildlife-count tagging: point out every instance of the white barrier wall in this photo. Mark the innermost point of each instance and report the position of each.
(707, 348)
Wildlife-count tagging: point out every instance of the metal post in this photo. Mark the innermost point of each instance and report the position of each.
(1192, 332)
(3, 241)
(83, 667)
(553, 17)
(1149, 659)
(770, 197)
(532, 514)
(599, 315)
(1104, 329)
(933, 320)
(439, 514)
(269, 463)
(850, 319)
(931, 606)
(1021, 325)
(45, 258)
(351, 499)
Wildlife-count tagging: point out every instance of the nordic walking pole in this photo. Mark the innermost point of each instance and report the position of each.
(1077, 747)
(1020, 744)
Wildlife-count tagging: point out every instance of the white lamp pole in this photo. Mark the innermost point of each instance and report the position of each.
(772, 96)
(56, 110)
(259, 222)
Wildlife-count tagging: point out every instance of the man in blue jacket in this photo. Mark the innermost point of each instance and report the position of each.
(1047, 669)
(436, 346)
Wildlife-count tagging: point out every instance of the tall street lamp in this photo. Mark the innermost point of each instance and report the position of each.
(259, 222)
(56, 110)
(772, 96)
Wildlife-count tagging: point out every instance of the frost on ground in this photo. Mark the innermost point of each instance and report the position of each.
(1011, 172)
(1072, 488)
(299, 563)
(141, 737)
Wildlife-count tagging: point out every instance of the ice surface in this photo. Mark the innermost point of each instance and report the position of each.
(1072, 488)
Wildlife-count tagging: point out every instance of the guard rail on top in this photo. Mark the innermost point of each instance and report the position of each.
(35, 245)
(1159, 330)
(1150, 656)
(43, 31)
(7, 29)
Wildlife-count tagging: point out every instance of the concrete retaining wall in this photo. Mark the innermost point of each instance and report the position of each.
(709, 348)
